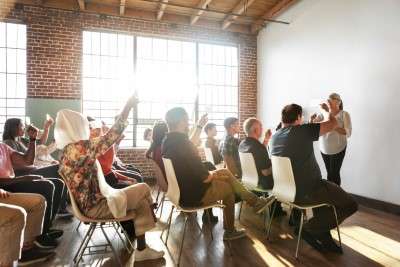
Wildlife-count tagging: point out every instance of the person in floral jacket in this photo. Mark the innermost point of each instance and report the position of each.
(83, 175)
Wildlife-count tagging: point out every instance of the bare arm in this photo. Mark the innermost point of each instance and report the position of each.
(20, 160)
(328, 126)
(46, 128)
(196, 132)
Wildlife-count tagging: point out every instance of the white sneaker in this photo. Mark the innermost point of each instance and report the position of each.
(148, 254)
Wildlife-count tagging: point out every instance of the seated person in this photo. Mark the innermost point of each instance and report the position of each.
(160, 130)
(229, 147)
(30, 184)
(251, 144)
(21, 222)
(211, 131)
(115, 178)
(197, 185)
(82, 173)
(13, 136)
(295, 141)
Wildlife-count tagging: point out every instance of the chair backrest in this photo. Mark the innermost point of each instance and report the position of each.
(161, 180)
(75, 209)
(284, 184)
(209, 155)
(249, 170)
(173, 192)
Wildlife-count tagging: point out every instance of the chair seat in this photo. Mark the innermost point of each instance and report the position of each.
(195, 209)
(131, 215)
(300, 206)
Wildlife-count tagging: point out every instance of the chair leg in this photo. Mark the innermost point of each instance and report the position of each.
(168, 225)
(183, 239)
(125, 242)
(162, 204)
(240, 209)
(81, 250)
(209, 222)
(299, 235)
(112, 247)
(77, 228)
(158, 194)
(270, 222)
(337, 226)
(127, 238)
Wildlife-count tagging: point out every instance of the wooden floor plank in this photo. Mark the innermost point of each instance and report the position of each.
(370, 238)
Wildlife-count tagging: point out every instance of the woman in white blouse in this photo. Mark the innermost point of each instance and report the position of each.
(333, 144)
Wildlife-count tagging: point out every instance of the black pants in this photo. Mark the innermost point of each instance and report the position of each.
(324, 218)
(333, 164)
(42, 187)
(51, 173)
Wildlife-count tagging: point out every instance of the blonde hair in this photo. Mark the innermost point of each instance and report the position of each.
(248, 124)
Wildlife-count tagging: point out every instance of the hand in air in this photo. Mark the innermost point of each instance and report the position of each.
(324, 106)
(313, 117)
(132, 101)
(32, 132)
(203, 120)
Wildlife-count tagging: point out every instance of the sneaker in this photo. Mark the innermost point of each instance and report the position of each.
(55, 233)
(34, 255)
(45, 242)
(263, 203)
(148, 254)
(234, 234)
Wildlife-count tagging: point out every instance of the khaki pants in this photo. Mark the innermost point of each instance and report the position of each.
(224, 186)
(20, 221)
(138, 199)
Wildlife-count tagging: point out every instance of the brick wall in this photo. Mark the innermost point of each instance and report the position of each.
(54, 53)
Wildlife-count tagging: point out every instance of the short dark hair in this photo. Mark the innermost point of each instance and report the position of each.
(175, 116)
(291, 113)
(228, 122)
(209, 126)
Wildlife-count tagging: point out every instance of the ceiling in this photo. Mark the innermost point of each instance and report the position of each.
(246, 16)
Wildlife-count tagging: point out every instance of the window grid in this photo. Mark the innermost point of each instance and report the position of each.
(12, 71)
(167, 73)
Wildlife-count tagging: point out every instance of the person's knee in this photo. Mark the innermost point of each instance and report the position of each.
(13, 215)
(38, 202)
(143, 187)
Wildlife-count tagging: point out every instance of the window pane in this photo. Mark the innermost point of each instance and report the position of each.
(21, 61)
(218, 83)
(2, 34)
(107, 76)
(12, 60)
(12, 35)
(3, 61)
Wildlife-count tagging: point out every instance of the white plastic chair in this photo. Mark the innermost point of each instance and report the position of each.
(162, 185)
(250, 175)
(285, 191)
(209, 155)
(95, 224)
(173, 194)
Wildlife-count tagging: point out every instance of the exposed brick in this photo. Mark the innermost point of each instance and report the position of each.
(54, 54)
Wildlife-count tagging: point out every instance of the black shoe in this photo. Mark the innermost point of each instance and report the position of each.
(330, 244)
(34, 255)
(45, 242)
(55, 233)
(310, 239)
(209, 217)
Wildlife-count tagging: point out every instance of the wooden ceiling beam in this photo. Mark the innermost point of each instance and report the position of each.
(239, 9)
(272, 13)
(160, 12)
(202, 4)
(81, 4)
(122, 5)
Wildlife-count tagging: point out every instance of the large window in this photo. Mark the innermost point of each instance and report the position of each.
(202, 78)
(12, 71)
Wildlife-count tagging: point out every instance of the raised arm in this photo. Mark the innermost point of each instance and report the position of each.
(20, 160)
(102, 143)
(46, 128)
(330, 124)
(196, 132)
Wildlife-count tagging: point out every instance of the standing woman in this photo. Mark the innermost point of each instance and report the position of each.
(333, 144)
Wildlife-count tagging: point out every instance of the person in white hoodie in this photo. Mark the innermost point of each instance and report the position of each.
(333, 144)
(82, 173)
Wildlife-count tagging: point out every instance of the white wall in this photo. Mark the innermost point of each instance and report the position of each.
(351, 47)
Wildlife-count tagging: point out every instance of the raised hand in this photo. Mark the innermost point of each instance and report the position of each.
(203, 120)
(324, 106)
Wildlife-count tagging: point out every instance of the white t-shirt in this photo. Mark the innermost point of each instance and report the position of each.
(334, 142)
